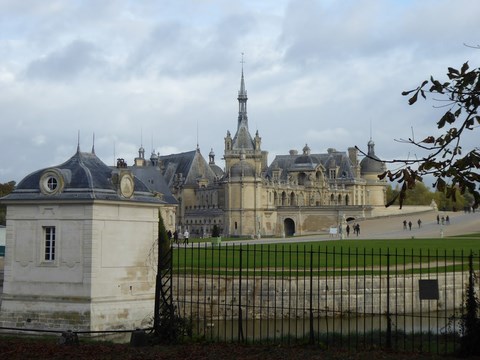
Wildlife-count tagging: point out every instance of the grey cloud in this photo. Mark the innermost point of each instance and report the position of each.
(223, 45)
(176, 49)
(314, 34)
(158, 50)
(67, 63)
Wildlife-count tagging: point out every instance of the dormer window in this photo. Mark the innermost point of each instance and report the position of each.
(51, 182)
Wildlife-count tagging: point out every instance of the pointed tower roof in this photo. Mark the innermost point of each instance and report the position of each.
(242, 139)
(187, 166)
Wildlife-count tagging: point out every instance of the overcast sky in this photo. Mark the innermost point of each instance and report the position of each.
(165, 74)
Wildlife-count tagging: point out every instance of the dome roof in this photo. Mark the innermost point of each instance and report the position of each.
(85, 171)
(242, 169)
(83, 176)
(371, 163)
(304, 159)
(305, 162)
(217, 170)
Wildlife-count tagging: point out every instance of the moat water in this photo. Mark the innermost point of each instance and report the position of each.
(257, 329)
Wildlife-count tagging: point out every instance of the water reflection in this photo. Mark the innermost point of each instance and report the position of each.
(259, 329)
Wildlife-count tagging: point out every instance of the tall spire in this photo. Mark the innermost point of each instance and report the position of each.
(198, 146)
(242, 101)
(242, 139)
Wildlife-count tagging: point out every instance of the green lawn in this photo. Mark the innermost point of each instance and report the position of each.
(332, 257)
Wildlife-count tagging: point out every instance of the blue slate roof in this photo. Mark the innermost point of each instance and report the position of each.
(85, 177)
(310, 162)
(154, 180)
(191, 165)
(371, 163)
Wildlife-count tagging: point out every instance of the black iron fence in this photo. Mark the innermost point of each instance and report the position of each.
(355, 298)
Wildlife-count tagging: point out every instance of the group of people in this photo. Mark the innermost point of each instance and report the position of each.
(355, 227)
(444, 220)
(440, 220)
(410, 224)
(175, 238)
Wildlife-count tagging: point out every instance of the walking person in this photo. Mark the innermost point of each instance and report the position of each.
(175, 237)
(185, 236)
(419, 222)
(404, 224)
(410, 225)
(357, 228)
(348, 230)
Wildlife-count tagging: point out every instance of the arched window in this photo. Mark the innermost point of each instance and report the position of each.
(293, 201)
(319, 176)
(301, 178)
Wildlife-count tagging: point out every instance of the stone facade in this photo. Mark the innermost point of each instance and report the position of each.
(81, 247)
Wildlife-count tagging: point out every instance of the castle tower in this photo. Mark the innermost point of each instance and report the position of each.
(243, 141)
(244, 163)
(370, 167)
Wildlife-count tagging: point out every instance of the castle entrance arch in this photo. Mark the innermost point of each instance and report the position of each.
(289, 227)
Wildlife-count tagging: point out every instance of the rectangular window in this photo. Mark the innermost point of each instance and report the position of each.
(49, 236)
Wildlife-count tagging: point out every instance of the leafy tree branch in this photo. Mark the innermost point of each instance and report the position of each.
(453, 167)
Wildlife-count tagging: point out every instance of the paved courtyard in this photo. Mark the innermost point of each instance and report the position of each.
(391, 227)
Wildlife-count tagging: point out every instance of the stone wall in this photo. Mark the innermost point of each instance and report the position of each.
(54, 321)
(220, 298)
